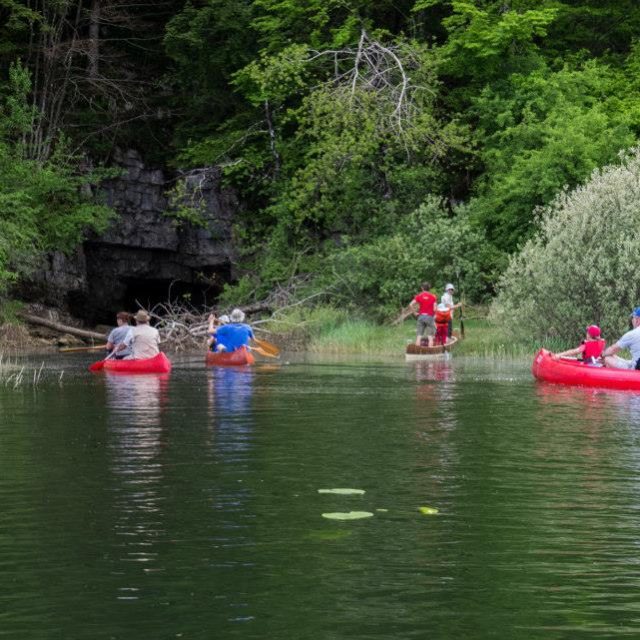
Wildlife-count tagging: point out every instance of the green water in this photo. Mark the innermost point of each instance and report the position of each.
(188, 506)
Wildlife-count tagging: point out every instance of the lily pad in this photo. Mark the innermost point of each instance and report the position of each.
(347, 515)
(343, 492)
(428, 511)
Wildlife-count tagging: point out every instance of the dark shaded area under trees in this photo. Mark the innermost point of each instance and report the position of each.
(352, 130)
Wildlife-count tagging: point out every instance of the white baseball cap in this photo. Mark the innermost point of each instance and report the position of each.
(449, 286)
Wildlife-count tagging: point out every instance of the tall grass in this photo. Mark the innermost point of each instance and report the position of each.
(327, 330)
(14, 375)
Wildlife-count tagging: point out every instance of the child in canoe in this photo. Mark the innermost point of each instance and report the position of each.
(591, 348)
(442, 319)
(214, 323)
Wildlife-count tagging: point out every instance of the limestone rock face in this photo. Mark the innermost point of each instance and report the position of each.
(145, 256)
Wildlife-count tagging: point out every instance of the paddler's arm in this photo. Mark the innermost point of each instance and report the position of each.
(126, 342)
(611, 351)
(570, 352)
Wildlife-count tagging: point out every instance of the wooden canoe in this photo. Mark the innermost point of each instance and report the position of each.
(415, 353)
(236, 358)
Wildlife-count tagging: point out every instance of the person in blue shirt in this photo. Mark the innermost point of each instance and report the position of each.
(236, 334)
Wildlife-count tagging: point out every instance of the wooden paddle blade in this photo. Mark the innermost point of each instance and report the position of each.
(267, 346)
(262, 352)
(97, 347)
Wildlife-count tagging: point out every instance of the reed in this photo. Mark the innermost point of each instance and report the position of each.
(15, 375)
(326, 330)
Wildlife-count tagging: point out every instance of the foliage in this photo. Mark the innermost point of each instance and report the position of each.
(581, 266)
(540, 132)
(490, 39)
(43, 206)
(384, 275)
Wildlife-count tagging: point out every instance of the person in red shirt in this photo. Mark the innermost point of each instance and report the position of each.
(591, 348)
(424, 305)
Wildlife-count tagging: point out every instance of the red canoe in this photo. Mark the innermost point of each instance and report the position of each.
(573, 372)
(236, 358)
(157, 364)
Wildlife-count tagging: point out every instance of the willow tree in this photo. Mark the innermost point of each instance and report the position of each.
(582, 265)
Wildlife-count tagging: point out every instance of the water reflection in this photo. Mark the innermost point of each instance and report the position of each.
(230, 392)
(136, 405)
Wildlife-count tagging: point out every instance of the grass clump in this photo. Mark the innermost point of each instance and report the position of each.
(331, 331)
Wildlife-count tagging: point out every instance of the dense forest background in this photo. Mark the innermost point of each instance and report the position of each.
(373, 143)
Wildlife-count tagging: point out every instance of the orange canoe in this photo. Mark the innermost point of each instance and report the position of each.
(236, 358)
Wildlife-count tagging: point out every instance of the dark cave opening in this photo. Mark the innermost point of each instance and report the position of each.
(140, 292)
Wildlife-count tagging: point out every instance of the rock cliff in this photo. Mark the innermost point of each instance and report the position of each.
(145, 256)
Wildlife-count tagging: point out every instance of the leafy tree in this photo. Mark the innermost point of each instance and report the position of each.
(383, 274)
(539, 132)
(44, 206)
(581, 265)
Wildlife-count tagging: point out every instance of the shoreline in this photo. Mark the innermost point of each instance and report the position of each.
(334, 336)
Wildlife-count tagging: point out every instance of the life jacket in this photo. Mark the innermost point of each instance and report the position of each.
(443, 317)
(592, 349)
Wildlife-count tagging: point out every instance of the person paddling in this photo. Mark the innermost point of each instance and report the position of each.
(591, 348)
(118, 335)
(631, 341)
(234, 335)
(143, 340)
(424, 305)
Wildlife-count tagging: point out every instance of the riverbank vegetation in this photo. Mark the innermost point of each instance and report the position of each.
(373, 144)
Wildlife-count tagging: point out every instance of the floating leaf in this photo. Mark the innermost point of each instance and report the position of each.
(428, 511)
(343, 492)
(347, 515)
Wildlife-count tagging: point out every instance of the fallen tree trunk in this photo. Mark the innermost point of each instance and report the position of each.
(62, 328)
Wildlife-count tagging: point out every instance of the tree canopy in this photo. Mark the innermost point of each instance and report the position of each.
(339, 123)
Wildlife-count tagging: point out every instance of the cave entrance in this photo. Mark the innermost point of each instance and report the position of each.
(148, 293)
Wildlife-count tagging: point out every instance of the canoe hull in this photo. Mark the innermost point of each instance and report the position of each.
(237, 358)
(574, 373)
(157, 364)
(414, 353)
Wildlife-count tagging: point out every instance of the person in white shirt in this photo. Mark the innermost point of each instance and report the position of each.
(143, 339)
(631, 341)
(447, 299)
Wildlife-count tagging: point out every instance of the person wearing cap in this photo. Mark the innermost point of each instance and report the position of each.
(591, 348)
(118, 335)
(424, 305)
(214, 324)
(143, 340)
(447, 298)
(631, 341)
(234, 335)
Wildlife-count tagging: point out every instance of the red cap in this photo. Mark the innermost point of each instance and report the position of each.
(593, 331)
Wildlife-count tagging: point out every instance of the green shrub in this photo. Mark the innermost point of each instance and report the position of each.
(383, 275)
(582, 265)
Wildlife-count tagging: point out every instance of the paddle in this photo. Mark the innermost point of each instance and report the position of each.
(461, 323)
(75, 349)
(404, 314)
(98, 366)
(262, 352)
(267, 346)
